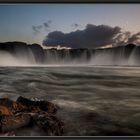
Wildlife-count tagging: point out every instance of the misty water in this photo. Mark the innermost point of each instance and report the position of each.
(93, 101)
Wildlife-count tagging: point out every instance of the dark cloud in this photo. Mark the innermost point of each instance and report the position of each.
(37, 29)
(135, 38)
(121, 38)
(127, 37)
(91, 37)
(46, 25)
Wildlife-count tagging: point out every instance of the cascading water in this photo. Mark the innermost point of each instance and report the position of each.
(6, 59)
(26, 57)
(128, 55)
(102, 58)
(134, 57)
(23, 54)
(112, 56)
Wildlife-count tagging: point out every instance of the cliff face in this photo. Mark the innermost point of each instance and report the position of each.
(35, 54)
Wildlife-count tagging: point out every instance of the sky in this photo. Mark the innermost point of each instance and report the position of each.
(31, 23)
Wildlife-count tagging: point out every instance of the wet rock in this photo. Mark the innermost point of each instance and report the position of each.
(37, 105)
(6, 102)
(11, 133)
(10, 123)
(25, 112)
(5, 111)
(50, 124)
(9, 107)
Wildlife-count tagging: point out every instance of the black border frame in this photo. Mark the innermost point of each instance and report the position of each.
(71, 2)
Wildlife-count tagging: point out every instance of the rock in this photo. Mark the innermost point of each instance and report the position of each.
(6, 102)
(9, 123)
(50, 124)
(11, 133)
(5, 111)
(37, 105)
(9, 107)
(25, 112)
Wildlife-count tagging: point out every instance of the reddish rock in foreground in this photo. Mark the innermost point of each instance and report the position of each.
(25, 112)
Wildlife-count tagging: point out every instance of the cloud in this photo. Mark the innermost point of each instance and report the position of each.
(135, 38)
(121, 38)
(37, 29)
(126, 38)
(92, 36)
(46, 25)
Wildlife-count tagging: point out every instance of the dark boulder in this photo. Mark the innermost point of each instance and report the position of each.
(25, 112)
(9, 107)
(50, 124)
(13, 122)
(37, 105)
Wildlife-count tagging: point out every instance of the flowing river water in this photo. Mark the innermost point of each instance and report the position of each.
(93, 101)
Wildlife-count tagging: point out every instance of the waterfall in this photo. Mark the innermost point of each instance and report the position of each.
(7, 59)
(19, 53)
(134, 57)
